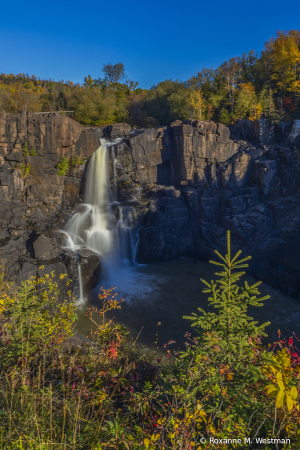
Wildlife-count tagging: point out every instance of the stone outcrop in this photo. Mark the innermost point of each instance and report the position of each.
(35, 201)
(90, 269)
(180, 154)
(255, 194)
(117, 130)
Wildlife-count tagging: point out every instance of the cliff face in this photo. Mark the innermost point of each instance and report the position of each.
(35, 201)
(189, 183)
(176, 155)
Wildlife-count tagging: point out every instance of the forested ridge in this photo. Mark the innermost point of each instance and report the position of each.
(249, 86)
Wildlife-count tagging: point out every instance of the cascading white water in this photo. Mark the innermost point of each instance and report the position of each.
(100, 227)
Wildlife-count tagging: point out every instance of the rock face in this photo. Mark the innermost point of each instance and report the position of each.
(210, 184)
(261, 131)
(188, 182)
(178, 155)
(294, 137)
(35, 201)
(117, 130)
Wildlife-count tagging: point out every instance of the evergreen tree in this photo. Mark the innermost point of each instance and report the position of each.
(236, 331)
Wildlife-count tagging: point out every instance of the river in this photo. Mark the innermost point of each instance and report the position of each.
(163, 292)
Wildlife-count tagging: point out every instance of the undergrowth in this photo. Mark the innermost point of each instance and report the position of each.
(226, 385)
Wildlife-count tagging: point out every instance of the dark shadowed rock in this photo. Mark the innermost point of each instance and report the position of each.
(90, 268)
(294, 137)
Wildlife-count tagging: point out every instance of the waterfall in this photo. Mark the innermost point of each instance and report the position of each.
(101, 223)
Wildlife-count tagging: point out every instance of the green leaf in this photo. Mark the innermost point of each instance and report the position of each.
(243, 260)
(205, 282)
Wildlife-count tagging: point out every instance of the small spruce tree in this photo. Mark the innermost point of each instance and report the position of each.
(234, 328)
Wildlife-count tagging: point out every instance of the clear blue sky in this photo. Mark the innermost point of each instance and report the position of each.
(155, 40)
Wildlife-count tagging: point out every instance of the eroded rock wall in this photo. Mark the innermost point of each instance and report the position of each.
(35, 201)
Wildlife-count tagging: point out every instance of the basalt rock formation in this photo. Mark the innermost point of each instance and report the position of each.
(188, 182)
(191, 183)
(35, 201)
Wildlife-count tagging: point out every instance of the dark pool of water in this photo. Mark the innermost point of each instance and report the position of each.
(165, 291)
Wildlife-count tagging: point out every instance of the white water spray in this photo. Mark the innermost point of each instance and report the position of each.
(98, 226)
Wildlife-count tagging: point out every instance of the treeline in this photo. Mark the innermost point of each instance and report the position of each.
(249, 86)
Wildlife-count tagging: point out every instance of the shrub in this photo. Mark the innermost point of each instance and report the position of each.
(33, 317)
(63, 166)
(76, 161)
(33, 151)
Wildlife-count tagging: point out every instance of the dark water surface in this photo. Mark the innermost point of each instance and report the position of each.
(165, 291)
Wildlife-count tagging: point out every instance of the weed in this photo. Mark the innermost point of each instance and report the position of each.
(25, 149)
(26, 169)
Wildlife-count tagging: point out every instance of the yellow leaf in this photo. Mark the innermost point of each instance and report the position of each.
(294, 393)
(171, 435)
(212, 429)
(289, 403)
(279, 399)
(271, 390)
(146, 442)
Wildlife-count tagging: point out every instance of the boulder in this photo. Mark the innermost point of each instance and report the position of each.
(117, 130)
(46, 248)
(90, 268)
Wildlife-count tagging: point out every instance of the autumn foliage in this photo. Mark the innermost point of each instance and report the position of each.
(248, 86)
(107, 393)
